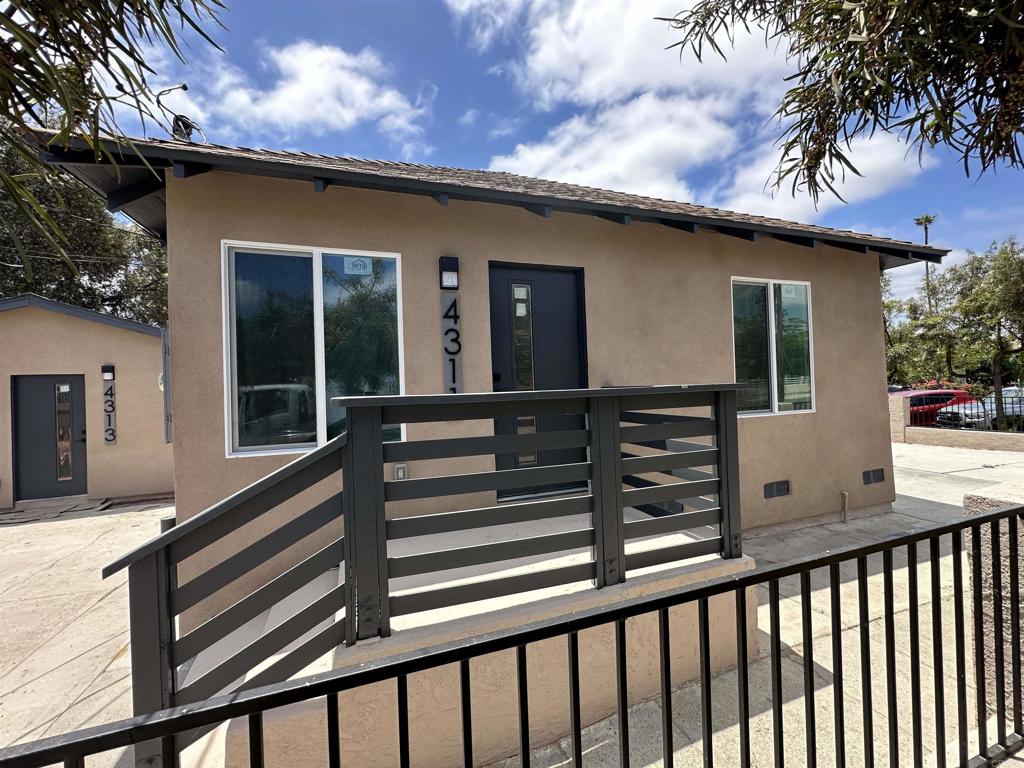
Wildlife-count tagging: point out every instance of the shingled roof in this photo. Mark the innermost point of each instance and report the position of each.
(134, 189)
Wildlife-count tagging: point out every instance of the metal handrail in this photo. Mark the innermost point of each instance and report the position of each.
(166, 723)
(224, 506)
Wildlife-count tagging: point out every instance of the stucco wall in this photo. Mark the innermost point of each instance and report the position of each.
(36, 341)
(296, 736)
(658, 310)
(899, 418)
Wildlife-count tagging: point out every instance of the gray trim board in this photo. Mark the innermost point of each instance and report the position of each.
(38, 302)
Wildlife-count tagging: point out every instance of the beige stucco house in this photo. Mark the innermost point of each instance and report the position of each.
(295, 278)
(83, 412)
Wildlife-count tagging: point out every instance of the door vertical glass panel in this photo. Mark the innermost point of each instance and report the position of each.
(522, 344)
(792, 347)
(65, 462)
(360, 332)
(751, 346)
(275, 378)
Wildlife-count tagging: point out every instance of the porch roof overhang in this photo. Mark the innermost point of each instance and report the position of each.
(134, 186)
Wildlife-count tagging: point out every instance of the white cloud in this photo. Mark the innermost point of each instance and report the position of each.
(600, 51)
(487, 19)
(882, 160)
(638, 146)
(468, 117)
(314, 90)
(503, 127)
(647, 119)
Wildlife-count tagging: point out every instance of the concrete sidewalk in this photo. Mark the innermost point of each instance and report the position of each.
(930, 482)
(64, 660)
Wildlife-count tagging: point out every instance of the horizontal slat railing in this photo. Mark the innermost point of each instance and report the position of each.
(251, 606)
(585, 462)
(254, 499)
(264, 646)
(485, 517)
(445, 597)
(161, 657)
(668, 430)
(445, 559)
(666, 462)
(239, 564)
(499, 480)
(681, 521)
(654, 417)
(451, 447)
(968, 666)
(669, 492)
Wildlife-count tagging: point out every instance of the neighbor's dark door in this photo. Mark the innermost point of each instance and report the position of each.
(49, 436)
(537, 342)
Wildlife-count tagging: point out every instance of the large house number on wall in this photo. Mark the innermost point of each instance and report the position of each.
(109, 406)
(451, 341)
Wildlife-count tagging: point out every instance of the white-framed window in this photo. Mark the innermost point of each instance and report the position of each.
(773, 346)
(303, 325)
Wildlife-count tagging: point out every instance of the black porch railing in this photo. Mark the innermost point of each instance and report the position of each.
(669, 452)
(986, 615)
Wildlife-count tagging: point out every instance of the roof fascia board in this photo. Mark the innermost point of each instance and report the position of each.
(40, 302)
(338, 177)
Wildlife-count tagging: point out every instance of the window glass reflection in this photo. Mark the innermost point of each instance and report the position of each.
(750, 333)
(274, 361)
(360, 332)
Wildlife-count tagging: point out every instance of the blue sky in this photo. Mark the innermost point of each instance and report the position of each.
(576, 90)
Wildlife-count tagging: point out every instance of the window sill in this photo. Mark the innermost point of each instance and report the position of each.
(760, 414)
(270, 452)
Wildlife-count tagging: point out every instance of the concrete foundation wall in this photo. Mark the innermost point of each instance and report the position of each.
(988, 440)
(35, 341)
(297, 736)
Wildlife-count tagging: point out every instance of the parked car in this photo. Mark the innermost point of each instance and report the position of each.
(926, 403)
(980, 413)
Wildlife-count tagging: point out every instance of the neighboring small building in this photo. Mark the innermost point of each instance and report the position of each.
(81, 404)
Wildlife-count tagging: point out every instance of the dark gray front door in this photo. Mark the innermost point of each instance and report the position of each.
(537, 342)
(49, 436)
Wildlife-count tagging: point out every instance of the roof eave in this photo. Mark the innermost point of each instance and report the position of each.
(36, 301)
(78, 161)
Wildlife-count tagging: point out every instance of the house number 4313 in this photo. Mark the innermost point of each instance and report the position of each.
(109, 413)
(451, 341)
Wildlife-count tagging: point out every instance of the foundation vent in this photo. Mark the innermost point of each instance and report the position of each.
(872, 476)
(775, 489)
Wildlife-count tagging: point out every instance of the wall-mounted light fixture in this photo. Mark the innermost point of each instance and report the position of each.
(108, 372)
(448, 267)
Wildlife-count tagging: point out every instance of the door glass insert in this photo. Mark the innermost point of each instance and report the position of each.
(522, 346)
(63, 427)
(522, 336)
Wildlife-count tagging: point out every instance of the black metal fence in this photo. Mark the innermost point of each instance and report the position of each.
(667, 451)
(984, 653)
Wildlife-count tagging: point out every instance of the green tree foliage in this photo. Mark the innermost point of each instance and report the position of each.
(114, 267)
(79, 64)
(939, 73)
(974, 331)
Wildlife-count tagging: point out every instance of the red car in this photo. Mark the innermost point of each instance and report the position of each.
(926, 403)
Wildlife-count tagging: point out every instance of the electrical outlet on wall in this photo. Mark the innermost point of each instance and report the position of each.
(401, 471)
